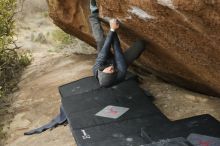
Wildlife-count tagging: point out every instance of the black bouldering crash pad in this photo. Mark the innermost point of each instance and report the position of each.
(142, 124)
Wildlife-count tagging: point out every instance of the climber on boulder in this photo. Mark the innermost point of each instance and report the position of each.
(110, 68)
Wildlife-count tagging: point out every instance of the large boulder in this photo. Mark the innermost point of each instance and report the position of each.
(183, 35)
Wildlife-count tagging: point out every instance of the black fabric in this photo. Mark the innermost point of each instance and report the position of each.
(203, 124)
(58, 120)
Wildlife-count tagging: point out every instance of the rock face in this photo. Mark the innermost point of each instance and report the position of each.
(183, 35)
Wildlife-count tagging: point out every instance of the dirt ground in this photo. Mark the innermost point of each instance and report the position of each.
(37, 101)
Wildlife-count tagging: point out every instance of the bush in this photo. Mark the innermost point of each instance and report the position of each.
(61, 37)
(11, 63)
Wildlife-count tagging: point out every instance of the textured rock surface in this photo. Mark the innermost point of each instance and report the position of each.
(184, 35)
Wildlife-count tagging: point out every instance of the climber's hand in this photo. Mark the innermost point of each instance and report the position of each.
(114, 24)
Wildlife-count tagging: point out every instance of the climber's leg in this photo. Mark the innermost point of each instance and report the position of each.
(134, 51)
(95, 23)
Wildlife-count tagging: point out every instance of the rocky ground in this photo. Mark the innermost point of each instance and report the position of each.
(37, 101)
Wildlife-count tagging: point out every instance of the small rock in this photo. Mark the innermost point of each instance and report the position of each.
(19, 122)
(190, 97)
(203, 99)
(41, 38)
(32, 37)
